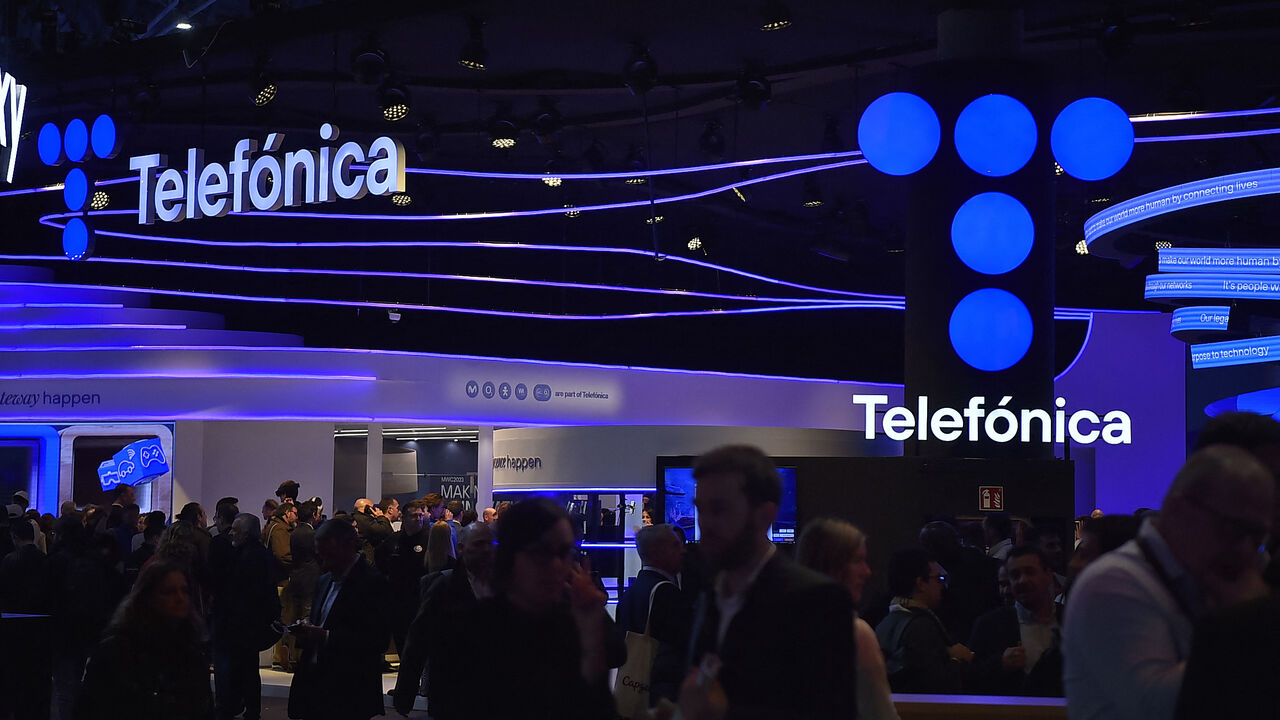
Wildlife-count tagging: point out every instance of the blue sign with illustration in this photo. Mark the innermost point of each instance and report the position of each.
(135, 464)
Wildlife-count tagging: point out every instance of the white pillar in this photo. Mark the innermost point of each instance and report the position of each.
(484, 467)
(373, 463)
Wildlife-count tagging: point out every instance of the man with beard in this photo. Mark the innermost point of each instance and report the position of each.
(402, 559)
(764, 608)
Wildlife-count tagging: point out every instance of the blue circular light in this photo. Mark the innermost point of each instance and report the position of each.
(49, 144)
(75, 190)
(991, 329)
(104, 138)
(995, 135)
(992, 233)
(77, 140)
(77, 239)
(899, 133)
(1092, 138)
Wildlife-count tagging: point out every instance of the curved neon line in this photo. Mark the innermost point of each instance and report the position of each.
(417, 275)
(1161, 117)
(1080, 353)
(92, 326)
(834, 305)
(638, 174)
(1209, 136)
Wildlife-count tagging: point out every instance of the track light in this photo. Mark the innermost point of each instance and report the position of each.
(1163, 245)
(695, 243)
(393, 98)
(812, 193)
(554, 169)
(503, 133)
(775, 16)
(474, 56)
(100, 200)
(640, 73)
(401, 199)
(262, 89)
(753, 90)
(711, 141)
(636, 163)
(369, 64)
(1082, 248)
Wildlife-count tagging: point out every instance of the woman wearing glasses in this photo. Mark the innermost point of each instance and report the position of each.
(921, 657)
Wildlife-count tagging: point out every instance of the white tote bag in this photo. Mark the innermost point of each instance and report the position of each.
(631, 688)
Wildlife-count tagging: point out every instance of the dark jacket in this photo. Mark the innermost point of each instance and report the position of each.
(342, 679)
(402, 560)
(1233, 669)
(789, 651)
(245, 603)
(670, 625)
(373, 532)
(24, 581)
(998, 631)
(448, 603)
(145, 674)
(914, 643)
(305, 571)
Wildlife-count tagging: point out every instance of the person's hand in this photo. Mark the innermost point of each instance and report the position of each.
(584, 597)
(701, 695)
(1014, 658)
(307, 636)
(960, 652)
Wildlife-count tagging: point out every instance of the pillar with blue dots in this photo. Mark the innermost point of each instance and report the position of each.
(78, 143)
(975, 145)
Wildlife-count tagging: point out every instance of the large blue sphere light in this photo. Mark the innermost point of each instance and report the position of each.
(1092, 139)
(49, 144)
(899, 133)
(995, 135)
(992, 233)
(77, 140)
(991, 329)
(75, 190)
(77, 239)
(104, 138)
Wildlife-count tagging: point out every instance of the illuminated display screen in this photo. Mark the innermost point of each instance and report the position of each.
(678, 487)
(1223, 261)
(1212, 285)
(1201, 317)
(1235, 352)
(1181, 197)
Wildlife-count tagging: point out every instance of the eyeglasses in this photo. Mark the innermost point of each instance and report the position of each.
(1232, 529)
(941, 578)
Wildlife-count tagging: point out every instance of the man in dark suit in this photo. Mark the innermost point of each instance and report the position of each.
(339, 677)
(1018, 650)
(662, 556)
(783, 634)
(244, 607)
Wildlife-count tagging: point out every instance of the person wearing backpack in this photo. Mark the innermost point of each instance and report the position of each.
(920, 655)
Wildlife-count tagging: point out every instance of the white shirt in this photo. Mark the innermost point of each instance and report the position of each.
(729, 605)
(1000, 550)
(1036, 636)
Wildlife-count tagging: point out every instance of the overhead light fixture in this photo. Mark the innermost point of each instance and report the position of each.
(401, 199)
(1163, 245)
(393, 316)
(753, 90)
(636, 162)
(182, 25)
(554, 169)
(369, 64)
(393, 98)
(711, 141)
(812, 193)
(653, 219)
(262, 89)
(1082, 248)
(775, 16)
(100, 200)
(571, 211)
(474, 56)
(1057, 170)
(640, 73)
(503, 133)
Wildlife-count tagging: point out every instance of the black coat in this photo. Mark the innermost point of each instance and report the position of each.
(670, 625)
(998, 631)
(447, 606)
(1234, 668)
(145, 674)
(342, 679)
(789, 651)
(245, 602)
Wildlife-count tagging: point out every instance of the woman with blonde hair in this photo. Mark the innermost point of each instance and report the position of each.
(440, 551)
(838, 550)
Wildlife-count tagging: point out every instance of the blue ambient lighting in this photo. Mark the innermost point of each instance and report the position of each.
(77, 140)
(104, 138)
(899, 133)
(1235, 286)
(991, 329)
(578, 488)
(44, 496)
(1180, 197)
(1200, 317)
(992, 233)
(75, 190)
(77, 239)
(1162, 117)
(1092, 138)
(1218, 260)
(49, 144)
(1263, 402)
(1235, 352)
(995, 135)
(1209, 136)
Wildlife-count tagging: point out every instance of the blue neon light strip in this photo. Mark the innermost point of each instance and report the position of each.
(1235, 352)
(1180, 197)
(577, 489)
(1209, 136)
(1200, 317)
(608, 545)
(1163, 117)
(1176, 260)
(1207, 285)
(92, 326)
(84, 306)
(49, 442)
(639, 174)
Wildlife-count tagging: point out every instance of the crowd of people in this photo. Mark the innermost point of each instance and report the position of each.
(1162, 614)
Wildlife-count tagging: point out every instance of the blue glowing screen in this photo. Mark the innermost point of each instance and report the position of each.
(1092, 138)
(991, 329)
(1236, 352)
(1201, 317)
(77, 239)
(992, 233)
(77, 140)
(899, 133)
(49, 144)
(995, 135)
(75, 190)
(104, 138)
(678, 491)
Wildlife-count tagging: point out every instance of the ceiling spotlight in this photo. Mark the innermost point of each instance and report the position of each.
(775, 16)
(636, 163)
(571, 211)
(369, 64)
(711, 141)
(753, 90)
(552, 181)
(653, 220)
(1163, 245)
(182, 25)
(1057, 170)
(263, 90)
(100, 200)
(393, 98)
(640, 73)
(503, 133)
(401, 199)
(393, 316)
(474, 55)
(695, 244)
(554, 169)
(1082, 248)
(812, 193)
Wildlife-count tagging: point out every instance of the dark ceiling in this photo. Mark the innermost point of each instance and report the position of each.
(557, 71)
